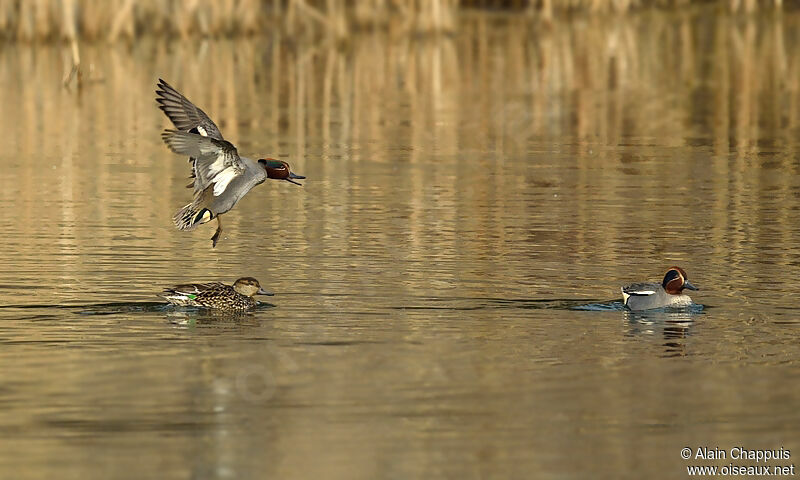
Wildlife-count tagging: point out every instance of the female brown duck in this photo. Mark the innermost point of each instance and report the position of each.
(218, 296)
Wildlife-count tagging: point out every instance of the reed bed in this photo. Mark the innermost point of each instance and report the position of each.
(112, 20)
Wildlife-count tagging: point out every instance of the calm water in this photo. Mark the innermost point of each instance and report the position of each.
(463, 194)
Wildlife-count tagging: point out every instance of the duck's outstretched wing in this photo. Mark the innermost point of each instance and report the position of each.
(216, 161)
(184, 114)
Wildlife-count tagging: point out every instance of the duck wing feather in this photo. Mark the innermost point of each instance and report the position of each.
(184, 114)
(194, 288)
(641, 289)
(216, 163)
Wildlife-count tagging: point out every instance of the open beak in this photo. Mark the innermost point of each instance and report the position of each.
(689, 286)
(261, 291)
(294, 175)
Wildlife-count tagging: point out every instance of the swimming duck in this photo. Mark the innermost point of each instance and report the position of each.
(217, 296)
(669, 293)
(221, 176)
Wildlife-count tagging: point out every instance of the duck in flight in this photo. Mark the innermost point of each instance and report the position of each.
(221, 176)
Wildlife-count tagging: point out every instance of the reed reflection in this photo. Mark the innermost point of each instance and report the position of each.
(483, 133)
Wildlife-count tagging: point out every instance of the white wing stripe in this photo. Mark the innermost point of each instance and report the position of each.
(217, 166)
(222, 180)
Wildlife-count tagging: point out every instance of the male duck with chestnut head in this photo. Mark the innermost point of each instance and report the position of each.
(668, 293)
(221, 176)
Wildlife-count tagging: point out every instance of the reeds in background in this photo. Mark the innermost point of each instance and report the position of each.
(111, 20)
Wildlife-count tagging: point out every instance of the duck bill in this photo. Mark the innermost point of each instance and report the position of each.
(261, 291)
(690, 286)
(295, 176)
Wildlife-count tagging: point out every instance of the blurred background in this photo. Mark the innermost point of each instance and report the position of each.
(115, 19)
(476, 171)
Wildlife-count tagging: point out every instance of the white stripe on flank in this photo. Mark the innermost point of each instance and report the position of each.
(202, 131)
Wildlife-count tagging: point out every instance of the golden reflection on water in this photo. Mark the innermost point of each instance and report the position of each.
(512, 161)
(459, 121)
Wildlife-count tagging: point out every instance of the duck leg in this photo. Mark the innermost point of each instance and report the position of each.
(217, 233)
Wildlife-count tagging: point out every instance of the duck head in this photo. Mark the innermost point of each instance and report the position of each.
(279, 170)
(249, 286)
(675, 281)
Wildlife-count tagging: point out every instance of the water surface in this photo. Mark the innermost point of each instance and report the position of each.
(465, 193)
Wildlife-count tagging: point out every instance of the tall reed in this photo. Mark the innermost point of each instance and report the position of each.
(112, 20)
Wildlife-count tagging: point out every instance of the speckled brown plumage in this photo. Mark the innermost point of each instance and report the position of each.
(217, 296)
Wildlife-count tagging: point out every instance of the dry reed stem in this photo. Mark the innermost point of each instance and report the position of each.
(36, 20)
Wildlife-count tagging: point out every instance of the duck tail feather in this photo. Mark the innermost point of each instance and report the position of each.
(192, 215)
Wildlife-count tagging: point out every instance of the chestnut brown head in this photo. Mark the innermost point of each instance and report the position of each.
(675, 281)
(279, 170)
